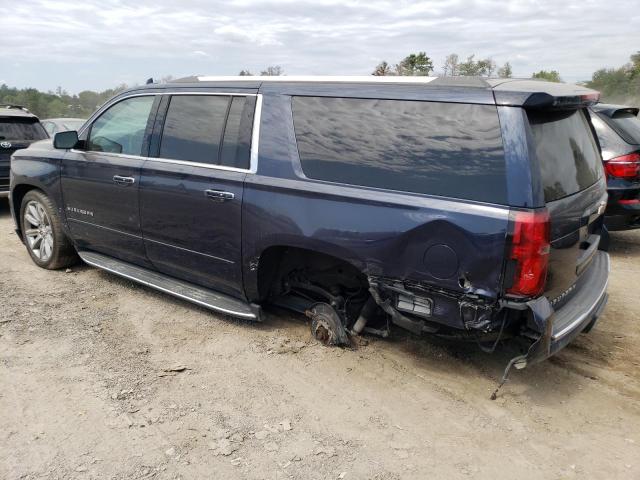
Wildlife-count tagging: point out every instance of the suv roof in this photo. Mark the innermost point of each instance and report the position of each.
(511, 91)
(15, 111)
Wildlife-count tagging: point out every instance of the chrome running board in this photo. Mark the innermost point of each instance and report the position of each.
(210, 299)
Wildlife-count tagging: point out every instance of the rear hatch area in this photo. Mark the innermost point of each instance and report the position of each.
(575, 195)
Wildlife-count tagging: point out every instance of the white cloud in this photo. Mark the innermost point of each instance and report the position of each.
(94, 43)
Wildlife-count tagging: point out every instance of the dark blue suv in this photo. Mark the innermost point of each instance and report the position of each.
(464, 208)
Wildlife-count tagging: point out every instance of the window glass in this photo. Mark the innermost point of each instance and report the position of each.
(121, 128)
(50, 127)
(610, 142)
(433, 148)
(566, 150)
(628, 124)
(232, 149)
(21, 129)
(193, 128)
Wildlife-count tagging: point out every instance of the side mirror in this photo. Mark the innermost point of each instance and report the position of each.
(65, 140)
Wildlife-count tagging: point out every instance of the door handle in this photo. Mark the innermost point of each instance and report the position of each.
(120, 180)
(219, 195)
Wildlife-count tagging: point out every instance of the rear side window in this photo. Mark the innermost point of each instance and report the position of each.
(193, 128)
(445, 149)
(628, 125)
(206, 129)
(567, 152)
(21, 129)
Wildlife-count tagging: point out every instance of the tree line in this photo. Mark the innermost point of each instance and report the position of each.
(617, 85)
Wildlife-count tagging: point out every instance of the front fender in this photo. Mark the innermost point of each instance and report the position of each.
(36, 167)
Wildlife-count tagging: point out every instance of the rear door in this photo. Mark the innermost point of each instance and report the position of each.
(574, 191)
(191, 190)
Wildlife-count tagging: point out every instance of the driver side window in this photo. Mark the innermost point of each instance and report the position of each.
(121, 128)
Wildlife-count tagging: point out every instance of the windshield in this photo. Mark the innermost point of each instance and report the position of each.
(21, 129)
(628, 126)
(567, 152)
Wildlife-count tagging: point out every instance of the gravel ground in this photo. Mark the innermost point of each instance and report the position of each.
(101, 378)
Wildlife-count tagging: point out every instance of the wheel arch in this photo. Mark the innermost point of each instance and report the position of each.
(267, 266)
(17, 195)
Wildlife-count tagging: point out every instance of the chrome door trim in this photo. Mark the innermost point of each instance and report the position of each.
(231, 262)
(255, 134)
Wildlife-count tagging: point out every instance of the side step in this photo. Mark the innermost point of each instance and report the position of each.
(218, 302)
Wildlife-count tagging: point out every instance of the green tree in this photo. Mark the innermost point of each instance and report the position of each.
(382, 69)
(477, 68)
(58, 104)
(550, 76)
(451, 67)
(273, 71)
(245, 73)
(505, 71)
(415, 64)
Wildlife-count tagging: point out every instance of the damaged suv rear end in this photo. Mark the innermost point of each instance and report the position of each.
(469, 209)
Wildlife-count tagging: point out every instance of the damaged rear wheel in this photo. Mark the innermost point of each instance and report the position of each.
(326, 326)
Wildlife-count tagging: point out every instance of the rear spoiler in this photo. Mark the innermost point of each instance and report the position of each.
(544, 101)
(538, 95)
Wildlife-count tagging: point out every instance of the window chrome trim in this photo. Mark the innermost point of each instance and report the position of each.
(255, 133)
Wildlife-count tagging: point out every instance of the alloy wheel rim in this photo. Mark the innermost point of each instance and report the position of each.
(38, 232)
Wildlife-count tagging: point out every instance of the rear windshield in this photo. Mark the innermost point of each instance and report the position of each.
(567, 152)
(444, 149)
(611, 144)
(628, 126)
(21, 129)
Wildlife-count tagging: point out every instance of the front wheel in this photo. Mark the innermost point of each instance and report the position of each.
(46, 242)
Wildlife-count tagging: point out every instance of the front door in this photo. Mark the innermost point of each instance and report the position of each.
(191, 192)
(100, 181)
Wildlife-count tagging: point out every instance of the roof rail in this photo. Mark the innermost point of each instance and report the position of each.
(15, 107)
(309, 78)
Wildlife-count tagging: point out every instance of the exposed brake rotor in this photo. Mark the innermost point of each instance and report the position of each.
(326, 325)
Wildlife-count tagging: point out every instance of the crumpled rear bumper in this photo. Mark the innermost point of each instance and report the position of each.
(557, 328)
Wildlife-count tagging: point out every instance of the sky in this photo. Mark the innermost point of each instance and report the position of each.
(98, 44)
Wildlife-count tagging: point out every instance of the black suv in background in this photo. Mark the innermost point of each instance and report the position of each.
(459, 207)
(618, 129)
(18, 129)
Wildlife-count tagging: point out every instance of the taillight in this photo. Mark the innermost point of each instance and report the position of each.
(626, 166)
(530, 252)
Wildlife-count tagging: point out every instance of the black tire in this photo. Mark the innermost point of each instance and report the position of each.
(42, 232)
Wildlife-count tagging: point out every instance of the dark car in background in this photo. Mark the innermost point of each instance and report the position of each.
(18, 129)
(55, 125)
(464, 208)
(618, 129)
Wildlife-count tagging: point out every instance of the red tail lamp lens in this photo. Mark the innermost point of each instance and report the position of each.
(530, 250)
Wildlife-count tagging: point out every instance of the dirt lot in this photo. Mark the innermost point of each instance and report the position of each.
(87, 391)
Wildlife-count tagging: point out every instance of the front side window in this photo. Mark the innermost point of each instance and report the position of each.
(121, 128)
(445, 149)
